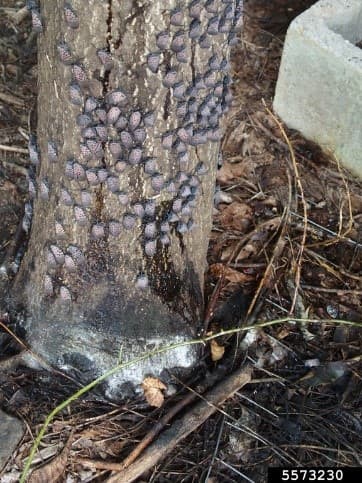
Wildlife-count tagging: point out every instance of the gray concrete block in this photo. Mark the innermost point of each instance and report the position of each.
(319, 89)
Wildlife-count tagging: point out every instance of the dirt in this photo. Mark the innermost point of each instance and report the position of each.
(286, 245)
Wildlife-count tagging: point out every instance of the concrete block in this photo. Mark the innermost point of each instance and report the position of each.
(319, 89)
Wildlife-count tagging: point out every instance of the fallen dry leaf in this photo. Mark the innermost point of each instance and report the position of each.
(231, 275)
(152, 388)
(236, 216)
(53, 470)
(217, 351)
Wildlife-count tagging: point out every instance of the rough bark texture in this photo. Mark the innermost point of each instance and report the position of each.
(98, 276)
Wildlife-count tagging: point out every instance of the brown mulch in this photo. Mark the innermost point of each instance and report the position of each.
(278, 249)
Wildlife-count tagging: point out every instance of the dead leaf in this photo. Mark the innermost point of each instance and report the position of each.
(217, 351)
(230, 274)
(236, 216)
(53, 470)
(152, 388)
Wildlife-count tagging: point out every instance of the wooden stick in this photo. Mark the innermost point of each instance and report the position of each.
(183, 427)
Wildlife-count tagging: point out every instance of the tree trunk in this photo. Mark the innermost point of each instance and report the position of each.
(131, 95)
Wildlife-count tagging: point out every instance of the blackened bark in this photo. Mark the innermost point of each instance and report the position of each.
(122, 210)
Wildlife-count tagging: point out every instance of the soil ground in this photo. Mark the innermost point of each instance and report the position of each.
(286, 244)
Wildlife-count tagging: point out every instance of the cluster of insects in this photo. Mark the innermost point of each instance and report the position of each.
(110, 126)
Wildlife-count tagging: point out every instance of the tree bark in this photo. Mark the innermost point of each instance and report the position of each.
(123, 205)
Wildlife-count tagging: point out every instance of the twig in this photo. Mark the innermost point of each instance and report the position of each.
(13, 149)
(183, 427)
(338, 291)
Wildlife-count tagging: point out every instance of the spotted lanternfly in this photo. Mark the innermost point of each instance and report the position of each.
(150, 248)
(179, 41)
(210, 78)
(48, 285)
(183, 56)
(85, 198)
(31, 188)
(128, 221)
(33, 150)
(139, 135)
(186, 210)
(95, 148)
(150, 208)
(135, 156)
(64, 52)
(85, 151)
(183, 159)
(138, 210)
(218, 89)
(100, 115)
(163, 40)
(105, 58)
(57, 253)
(195, 29)
(113, 114)
(192, 105)
(181, 227)
(80, 216)
(232, 39)
(97, 231)
(195, 9)
(185, 191)
(116, 97)
(172, 217)
(204, 41)
(90, 104)
(153, 61)
(75, 94)
(52, 152)
(165, 240)
(113, 184)
(44, 190)
(121, 123)
(83, 120)
(30, 4)
(150, 230)
(224, 25)
(150, 166)
(89, 133)
(157, 181)
(92, 177)
(134, 120)
(50, 259)
(79, 172)
(178, 90)
(101, 132)
(149, 119)
(183, 134)
(71, 16)
(65, 197)
(77, 254)
(69, 263)
(199, 82)
(79, 72)
(123, 198)
(165, 227)
(120, 165)
(102, 174)
(194, 181)
(176, 17)
(213, 26)
(171, 187)
(181, 109)
(201, 169)
(214, 62)
(36, 20)
(114, 228)
(177, 205)
(59, 230)
(181, 177)
(228, 12)
(142, 281)
(167, 140)
(126, 139)
(65, 294)
(115, 148)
